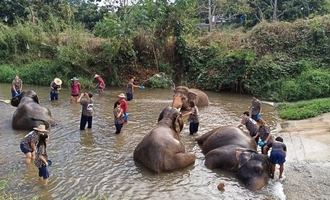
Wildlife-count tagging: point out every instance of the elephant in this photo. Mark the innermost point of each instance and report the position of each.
(161, 149)
(229, 148)
(199, 97)
(29, 112)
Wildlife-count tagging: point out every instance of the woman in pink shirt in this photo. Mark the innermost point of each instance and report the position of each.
(75, 89)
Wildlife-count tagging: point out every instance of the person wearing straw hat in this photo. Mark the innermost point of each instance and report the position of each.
(100, 83)
(55, 86)
(41, 160)
(29, 142)
(123, 105)
(75, 89)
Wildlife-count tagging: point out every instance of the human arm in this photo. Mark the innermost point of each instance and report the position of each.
(43, 159)
(79, 98)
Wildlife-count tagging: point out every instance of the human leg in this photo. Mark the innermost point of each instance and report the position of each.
(281, 170)
(83, 122)
(118, 127)
(89, 121)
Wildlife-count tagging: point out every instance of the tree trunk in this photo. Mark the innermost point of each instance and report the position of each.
(210, 16)
(275, 11)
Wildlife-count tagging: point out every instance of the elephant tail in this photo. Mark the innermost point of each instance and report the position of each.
(47, 124)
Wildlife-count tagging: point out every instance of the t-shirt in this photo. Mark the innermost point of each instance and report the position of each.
(87, 107)
(30, 138)
(129, 87)
(193, 117)
(264, 132)
(101, 83)
(17, 83)
(54, 87)
(41, 151)
(277, 146)
(75, 88)
(256, 106)
(123, 105)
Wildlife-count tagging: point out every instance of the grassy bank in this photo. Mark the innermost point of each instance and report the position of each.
(304, 109)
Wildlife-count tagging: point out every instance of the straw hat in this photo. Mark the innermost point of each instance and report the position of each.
(74, 79)
(41, 128)
(121, 95)
(58, 81)
(96, 75)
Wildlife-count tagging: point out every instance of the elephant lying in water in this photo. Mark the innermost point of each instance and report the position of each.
(29, 112)
(161, 149)
(230, 149)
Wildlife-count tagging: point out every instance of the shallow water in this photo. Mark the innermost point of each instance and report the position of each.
(97, 163)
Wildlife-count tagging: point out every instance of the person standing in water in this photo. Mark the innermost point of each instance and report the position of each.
(41, 160)
(86, 101)
(29, 142)
(277, 155)
(130, 88)
(123, 106)
(55, 86)
(119, 117)
(16, 86)
(100, 83)
(75, 89)
(255, 109)
(193, 118)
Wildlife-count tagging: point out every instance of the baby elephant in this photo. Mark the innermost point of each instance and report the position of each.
(161, 149)
(228, 148)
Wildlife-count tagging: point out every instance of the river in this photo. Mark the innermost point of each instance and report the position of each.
(98, 164)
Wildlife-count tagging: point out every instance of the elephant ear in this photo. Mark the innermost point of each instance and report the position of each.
(178, 123)
(243, 157)
(35, 99)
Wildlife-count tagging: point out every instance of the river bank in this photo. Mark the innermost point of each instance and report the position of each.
(307, 169)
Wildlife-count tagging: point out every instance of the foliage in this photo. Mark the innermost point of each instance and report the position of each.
(304, 109)
(7, 73)
(161, 81)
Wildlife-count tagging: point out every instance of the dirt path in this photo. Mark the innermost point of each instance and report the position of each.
(307, 169)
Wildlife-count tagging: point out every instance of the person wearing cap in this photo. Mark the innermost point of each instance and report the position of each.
(86, 101)
(123, 105)
(41, 160)
(29, 142)
(55, 86)
(16, 86)
(130, 88)
(100, 83)
(75, 89)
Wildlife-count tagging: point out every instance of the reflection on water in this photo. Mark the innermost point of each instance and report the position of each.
(97, 163)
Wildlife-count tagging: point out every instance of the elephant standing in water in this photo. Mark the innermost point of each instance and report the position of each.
(161, 149)
(199, 97)
(230, 149)
(29, 113)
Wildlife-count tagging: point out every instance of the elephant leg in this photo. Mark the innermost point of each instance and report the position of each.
(180, 160)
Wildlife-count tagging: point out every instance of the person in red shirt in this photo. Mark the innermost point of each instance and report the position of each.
(75, 89)
(123, 105)
(100, 83)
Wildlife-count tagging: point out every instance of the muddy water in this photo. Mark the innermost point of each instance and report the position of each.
(97, 163)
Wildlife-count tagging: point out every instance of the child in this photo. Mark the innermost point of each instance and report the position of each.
(119, 116)
(86, 102)
(42, 158)
(193, 118)
(277, 155)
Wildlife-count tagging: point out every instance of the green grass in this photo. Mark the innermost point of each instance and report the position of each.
(304, 109)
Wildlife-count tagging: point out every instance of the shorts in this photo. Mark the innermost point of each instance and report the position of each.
(125, 117)
(256, 117)
(75, 95)
(277, 157)
(43, 172)
(24, 149)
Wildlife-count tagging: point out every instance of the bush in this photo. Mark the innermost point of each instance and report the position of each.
(304, 109)
(7, 73)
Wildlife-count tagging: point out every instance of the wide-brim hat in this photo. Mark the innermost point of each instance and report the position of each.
(41, 128)
(96, 75)
(121, 95)
(74, 79)
(58, 81)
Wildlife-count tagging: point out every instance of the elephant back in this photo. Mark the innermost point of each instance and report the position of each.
(227, 136)
(202, 98)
